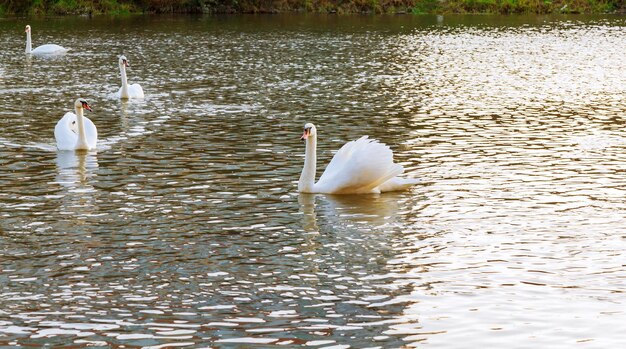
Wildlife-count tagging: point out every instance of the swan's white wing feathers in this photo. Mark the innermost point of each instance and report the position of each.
(397, 184)
(135, 91)
(360, 166)
(66, 133)
(49, 49)
(65, 137)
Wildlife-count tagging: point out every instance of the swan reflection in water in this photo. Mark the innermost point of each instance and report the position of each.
(28, 63)
(75, 173)
(338, 210)
(75, 169)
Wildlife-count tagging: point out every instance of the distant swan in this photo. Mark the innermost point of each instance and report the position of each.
(360, 166)
(75, 131)
(48, 49)
(128, 91)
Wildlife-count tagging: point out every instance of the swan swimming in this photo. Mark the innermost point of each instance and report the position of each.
(359, 167)
(47, 49)
(75, 131)
(128, 91)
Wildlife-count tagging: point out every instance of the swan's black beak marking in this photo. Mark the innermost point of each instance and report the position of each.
(86, 106)
(126, 64)
(306, 133)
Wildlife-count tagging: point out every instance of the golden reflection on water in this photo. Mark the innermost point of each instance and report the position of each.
(521, 131)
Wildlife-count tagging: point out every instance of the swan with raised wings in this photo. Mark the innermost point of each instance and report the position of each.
(75, 131)
(128, 91)
(359, 167)
(47, 49)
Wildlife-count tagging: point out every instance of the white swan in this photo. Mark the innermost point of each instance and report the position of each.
(48, 49)
(128, 91)
(75, 131)
(359, 167)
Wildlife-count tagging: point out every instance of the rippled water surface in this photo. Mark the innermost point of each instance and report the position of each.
(184, 229)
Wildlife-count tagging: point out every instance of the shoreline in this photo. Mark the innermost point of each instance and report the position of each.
(409, 7)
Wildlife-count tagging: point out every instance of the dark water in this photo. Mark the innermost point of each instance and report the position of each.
(184, 229)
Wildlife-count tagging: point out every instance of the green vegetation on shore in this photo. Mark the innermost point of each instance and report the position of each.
(117, 7)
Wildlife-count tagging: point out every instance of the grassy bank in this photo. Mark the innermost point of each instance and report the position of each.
(120, 7)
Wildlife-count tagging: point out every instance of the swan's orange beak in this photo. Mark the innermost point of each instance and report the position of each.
(87, 107)
(305, 135)
(126, 63)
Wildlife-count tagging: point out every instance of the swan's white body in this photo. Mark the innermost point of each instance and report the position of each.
(128, 91)
(43, 50)
(359, 167)
(75, 131)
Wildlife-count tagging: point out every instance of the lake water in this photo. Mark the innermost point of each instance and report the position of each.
(185, 228)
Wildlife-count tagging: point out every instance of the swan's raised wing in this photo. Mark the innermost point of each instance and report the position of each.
(397, 184)
(66, 135)
(360, 166)
(91, 132)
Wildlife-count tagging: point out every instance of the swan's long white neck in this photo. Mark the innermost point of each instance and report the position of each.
(81, 144)
(307, 177)
(29, 45)
(124, 93)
